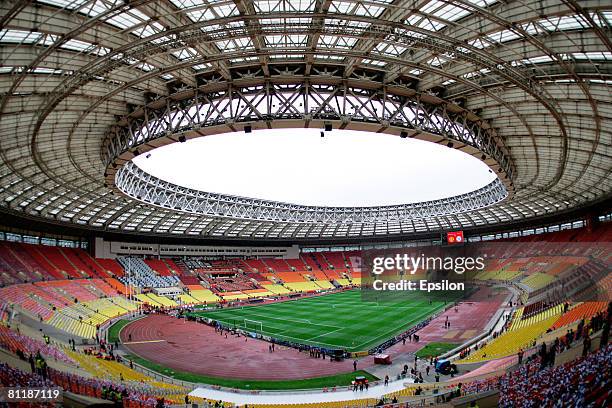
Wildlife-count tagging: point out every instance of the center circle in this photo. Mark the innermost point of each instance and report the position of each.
(344, 168)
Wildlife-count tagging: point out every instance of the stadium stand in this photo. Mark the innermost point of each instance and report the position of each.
(141, 274)
(581, 311)
(276, 289)
(302, 286)
(584, 382)
(537, 281)
(159, 266)
(511, 341)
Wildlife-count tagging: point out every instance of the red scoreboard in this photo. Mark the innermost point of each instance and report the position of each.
(455, 237)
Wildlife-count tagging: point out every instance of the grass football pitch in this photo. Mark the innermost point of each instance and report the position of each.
(340, 320)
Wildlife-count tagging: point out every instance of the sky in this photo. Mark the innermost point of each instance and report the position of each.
(344, 168)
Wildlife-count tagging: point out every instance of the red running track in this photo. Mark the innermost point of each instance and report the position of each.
(196, 348)
(469, 320)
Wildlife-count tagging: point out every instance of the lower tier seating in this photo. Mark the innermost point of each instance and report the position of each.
(584, 310)
(324, 284)
(276, 289)
(510, 342)
(302, 286)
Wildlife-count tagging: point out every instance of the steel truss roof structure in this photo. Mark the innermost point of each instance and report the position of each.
(86, 84)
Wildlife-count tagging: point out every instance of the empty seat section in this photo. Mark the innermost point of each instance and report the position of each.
(584, 310)
(94, 266)
(162, 300)
(318, 275)
(140, 274)
(48, 269)
(76, 258)
(189, 280)
(159, 266)
(336, 259)
(56, 257)
(256, 293)
(13, 269)
(277, 289)
(204, 296)
(290, 277)
(233, 296)
(511, 341)
(278, 265)
(324, 284)
(256, 265)
(343, 281)
(186, 299)
(302, 286)
(297, 264)
(111, 265)
(115, 284)
(309, 260)
(537, 280)
(174, 267)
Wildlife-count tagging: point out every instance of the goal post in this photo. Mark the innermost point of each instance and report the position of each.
(253, 325)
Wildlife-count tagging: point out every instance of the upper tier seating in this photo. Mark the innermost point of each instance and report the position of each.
(59, 261)
(141, 275)
(311, 260)
(537, 281)
(278, 265)
(47, 268)
(296, 264)
(16, 267)
(336, 259)
(159, 266)
(111, 265)
(174, 267)
(255, 265)
(237, 282)
(189, 280)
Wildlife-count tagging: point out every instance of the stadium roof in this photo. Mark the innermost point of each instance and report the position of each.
(89, 84)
